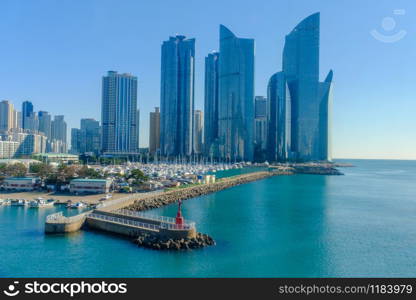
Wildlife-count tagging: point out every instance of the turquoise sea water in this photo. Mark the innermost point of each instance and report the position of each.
(360, 224)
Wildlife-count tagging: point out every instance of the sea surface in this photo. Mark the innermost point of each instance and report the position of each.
(361, 224)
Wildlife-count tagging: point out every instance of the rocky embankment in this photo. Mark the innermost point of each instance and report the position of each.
(308, 168)
(317, 169)
(169, 197)
(160, 243)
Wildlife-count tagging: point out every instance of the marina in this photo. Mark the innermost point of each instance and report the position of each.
(301, 226)
(121, 216)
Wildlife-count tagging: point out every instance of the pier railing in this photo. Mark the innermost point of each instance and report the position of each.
(54, 217)
(186, 226)
(162, 219)
(60, 218)
(124, 221)
(138, 224)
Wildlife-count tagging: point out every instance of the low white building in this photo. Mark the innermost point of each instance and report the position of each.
(19, 183)
(90, 186)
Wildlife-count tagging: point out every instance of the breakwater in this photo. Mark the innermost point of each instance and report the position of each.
(164, 243)
(172, 196)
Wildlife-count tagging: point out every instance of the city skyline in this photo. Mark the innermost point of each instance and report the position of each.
(351, 139)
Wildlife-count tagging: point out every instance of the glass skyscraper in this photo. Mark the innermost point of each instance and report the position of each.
(211, 104)
(236, 97)
(260, 122)
(177, 96)
(279, 119)
(118, 113)
(27, 112)
(297, 97)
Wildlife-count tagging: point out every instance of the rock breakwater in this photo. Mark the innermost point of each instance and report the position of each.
(162, 243)
(169, 197)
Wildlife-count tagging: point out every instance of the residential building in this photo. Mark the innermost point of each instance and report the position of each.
(154, 131)
(118, 113)
(177, 96)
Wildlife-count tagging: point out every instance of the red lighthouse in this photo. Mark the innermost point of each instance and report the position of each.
(179, 218)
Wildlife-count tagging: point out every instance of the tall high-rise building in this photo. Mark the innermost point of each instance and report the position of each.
(211, 104)
(6, 116)
(177, 96)
(154, 131)
(27, 112)
(260, 122)
(198, 131)
(17, 119)
(59, 135)
(45, 121)
(90, 136)
(75, 140)
(310, 99)
(31, 122)
(138, 129)
(236, 97)
(118, 113)
(278, 119)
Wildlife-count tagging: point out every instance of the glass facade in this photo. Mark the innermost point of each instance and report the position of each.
(118, 113)
(236, 97)
(260, 122)
(177, 96)
(211, 104)
(308, 96)
(27, 112)
(279, 119)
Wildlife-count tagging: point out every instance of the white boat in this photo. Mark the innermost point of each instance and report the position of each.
(18, 202)
(40, 202)
(77, 205)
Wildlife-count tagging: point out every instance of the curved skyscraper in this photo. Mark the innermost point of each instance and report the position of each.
(177, 96)
(309, 98)
(236, 97)
(279, 119)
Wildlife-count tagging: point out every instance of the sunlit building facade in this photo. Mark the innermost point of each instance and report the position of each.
(119, 113)
(177, 96)
(236, 97)
(278, 119)
(211, 104)
(297, 96)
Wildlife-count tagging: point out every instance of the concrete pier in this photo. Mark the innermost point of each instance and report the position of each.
(58, 223)
(112, 217)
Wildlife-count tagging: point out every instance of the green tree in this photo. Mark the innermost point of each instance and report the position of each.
(16, 170)
(3, 168)
(136, 177)
(86, 172)
(65, 174)
(41, 170)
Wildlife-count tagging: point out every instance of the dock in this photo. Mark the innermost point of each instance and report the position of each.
(124, 215)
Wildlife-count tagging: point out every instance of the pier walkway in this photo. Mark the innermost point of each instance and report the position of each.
(112, 215)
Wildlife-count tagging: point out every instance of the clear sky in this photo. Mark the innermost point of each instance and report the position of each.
(54, 54)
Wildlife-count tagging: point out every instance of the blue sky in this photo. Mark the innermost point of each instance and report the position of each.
(54, 54)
